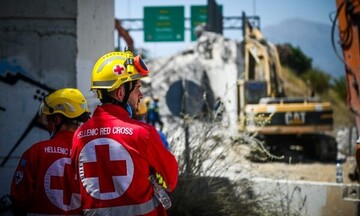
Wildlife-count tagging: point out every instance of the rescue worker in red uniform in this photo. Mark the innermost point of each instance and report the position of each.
(44, 182)
(115, 154)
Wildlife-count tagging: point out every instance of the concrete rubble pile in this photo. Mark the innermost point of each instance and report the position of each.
(197, 75)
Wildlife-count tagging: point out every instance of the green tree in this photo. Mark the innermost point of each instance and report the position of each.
(318, 80)
(294, 58)
(339, 87)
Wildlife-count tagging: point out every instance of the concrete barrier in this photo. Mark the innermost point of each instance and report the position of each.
(310, 198)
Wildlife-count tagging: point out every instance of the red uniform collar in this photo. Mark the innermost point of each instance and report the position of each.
(114, 110)
(62, 134)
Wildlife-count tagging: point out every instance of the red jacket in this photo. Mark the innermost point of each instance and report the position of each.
(44, 181)
(115, 155)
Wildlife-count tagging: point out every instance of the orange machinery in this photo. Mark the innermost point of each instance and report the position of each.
(348, 17)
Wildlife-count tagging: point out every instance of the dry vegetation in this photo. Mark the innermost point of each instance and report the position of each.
(215, 172)
(293, 86)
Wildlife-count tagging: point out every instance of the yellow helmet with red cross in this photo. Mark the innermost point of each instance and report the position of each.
(115, 68)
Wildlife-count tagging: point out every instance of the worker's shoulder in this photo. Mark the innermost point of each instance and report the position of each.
(36, 147)
(143, 127)
(140, 125)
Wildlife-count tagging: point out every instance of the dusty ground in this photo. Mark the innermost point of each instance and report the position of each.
(306, 171)
(322, 172)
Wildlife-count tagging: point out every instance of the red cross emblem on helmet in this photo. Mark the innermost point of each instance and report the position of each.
(118, 69)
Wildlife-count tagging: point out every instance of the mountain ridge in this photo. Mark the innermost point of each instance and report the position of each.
(313, 38)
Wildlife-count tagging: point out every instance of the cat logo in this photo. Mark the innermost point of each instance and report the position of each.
(295, 118)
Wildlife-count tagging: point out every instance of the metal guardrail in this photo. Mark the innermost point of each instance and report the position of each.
(229, 23)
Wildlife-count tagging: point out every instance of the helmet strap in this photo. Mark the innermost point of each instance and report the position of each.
(58, 122)
(128, 89)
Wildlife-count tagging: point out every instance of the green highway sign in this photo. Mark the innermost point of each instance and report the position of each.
(198, 16)
(164, 24)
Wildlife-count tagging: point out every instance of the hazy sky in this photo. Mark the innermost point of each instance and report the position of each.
(271, 12)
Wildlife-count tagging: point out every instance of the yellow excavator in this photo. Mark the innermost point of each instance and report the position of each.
(297, 127)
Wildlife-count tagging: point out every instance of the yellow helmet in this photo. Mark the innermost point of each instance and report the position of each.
(147, 100)
(69, 102)
(115, 68)
(142, 108)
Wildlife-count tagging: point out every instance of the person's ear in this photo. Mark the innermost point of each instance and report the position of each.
(120, 92)
(57, 119)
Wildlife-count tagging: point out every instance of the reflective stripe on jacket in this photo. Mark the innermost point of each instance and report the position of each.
(126, 210)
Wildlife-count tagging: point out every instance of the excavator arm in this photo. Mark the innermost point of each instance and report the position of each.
(348, 17)
(124, 34)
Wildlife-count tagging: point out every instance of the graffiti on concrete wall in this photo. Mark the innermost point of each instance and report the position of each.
(20, 100)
